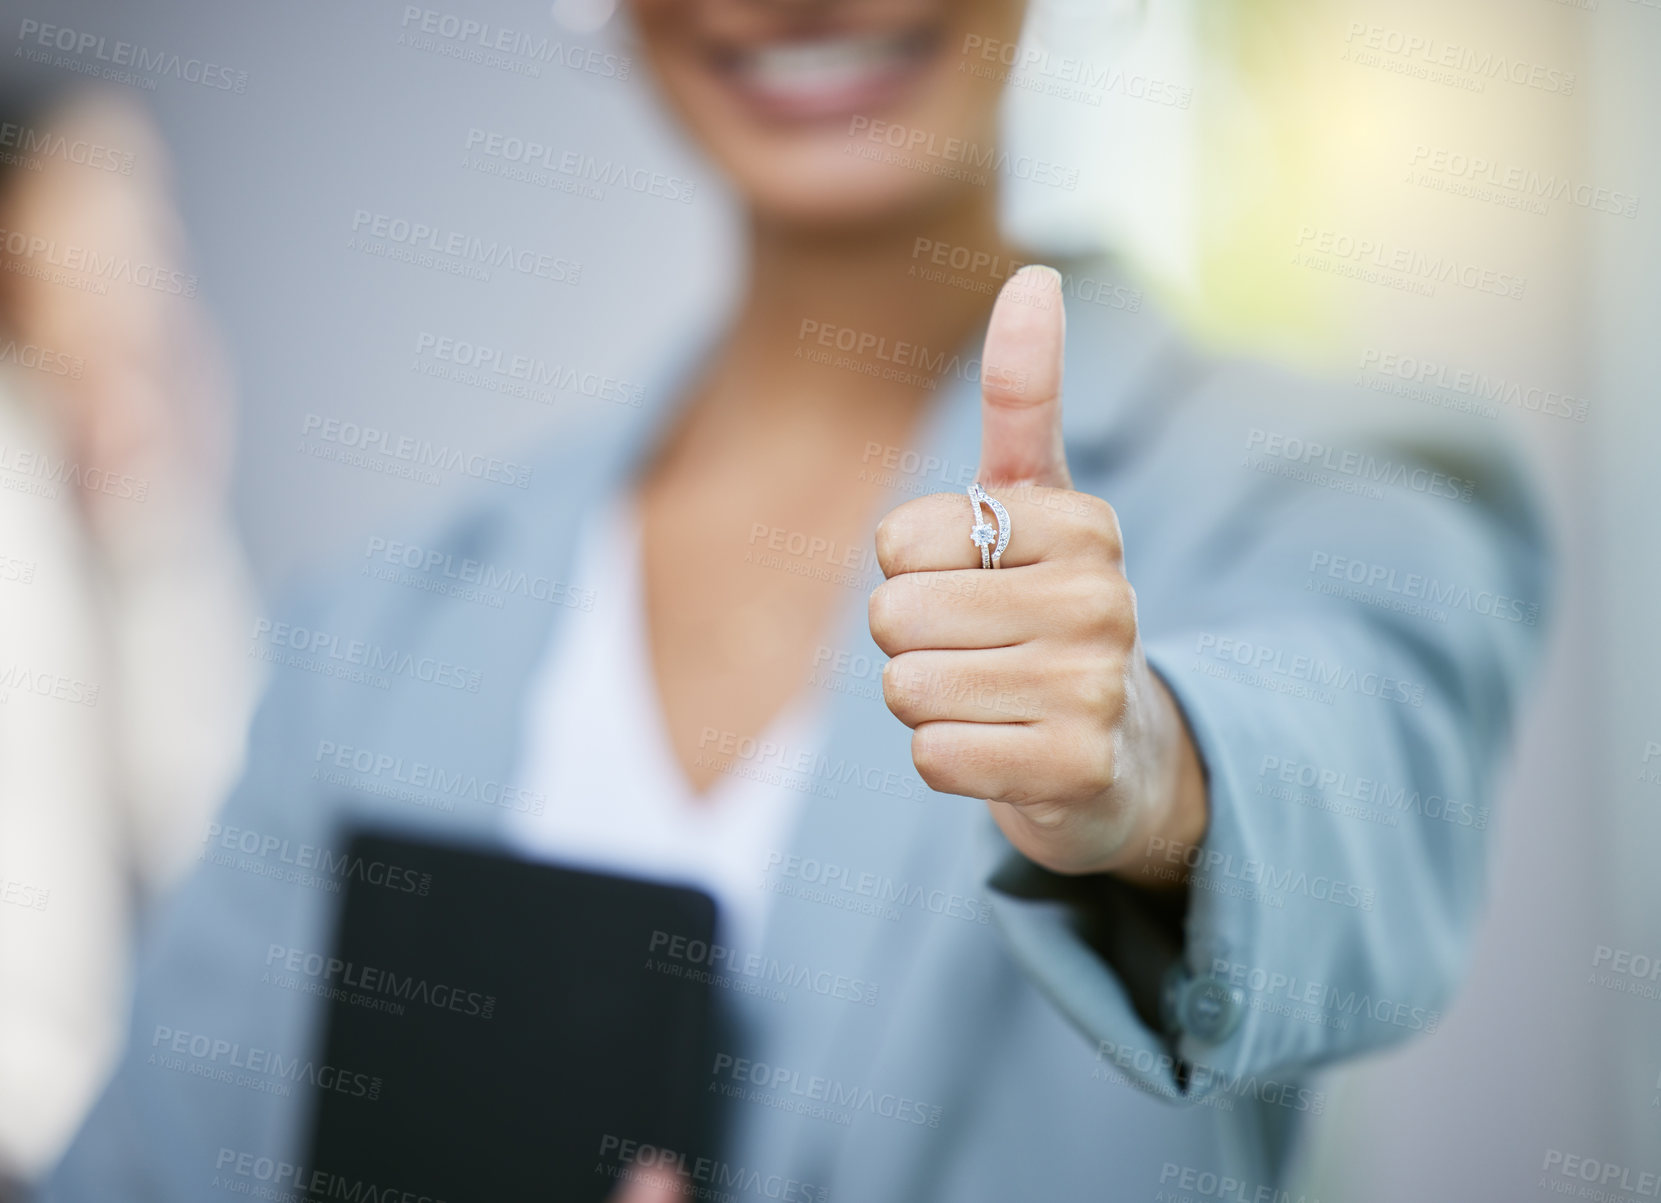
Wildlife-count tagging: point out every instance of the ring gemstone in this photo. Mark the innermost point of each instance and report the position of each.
(991, 542)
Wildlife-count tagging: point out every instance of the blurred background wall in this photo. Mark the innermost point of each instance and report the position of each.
(1256, 163)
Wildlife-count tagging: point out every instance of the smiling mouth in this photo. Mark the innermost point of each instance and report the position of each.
(827, 76)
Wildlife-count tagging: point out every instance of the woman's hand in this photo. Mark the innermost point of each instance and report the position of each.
(653, 1185)
(1026, 686)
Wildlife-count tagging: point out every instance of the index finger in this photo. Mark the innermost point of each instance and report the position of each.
(931, 534)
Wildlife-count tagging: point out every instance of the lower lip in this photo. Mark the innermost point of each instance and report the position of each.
(872, 91)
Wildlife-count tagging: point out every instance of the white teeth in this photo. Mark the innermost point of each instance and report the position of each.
(824, 64)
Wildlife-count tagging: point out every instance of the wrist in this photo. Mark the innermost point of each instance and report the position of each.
(1175, 809)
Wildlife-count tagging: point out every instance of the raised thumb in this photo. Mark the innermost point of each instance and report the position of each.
(1020, 408)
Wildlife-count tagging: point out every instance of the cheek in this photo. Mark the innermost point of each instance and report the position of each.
(984, 33)
(643, 15)
(660, 34)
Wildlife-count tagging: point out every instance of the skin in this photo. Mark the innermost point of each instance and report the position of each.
(147, 397)
(1098, 760)
(1095, 759)
(1105, 763)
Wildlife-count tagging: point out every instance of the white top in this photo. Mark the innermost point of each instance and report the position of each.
(597, 748)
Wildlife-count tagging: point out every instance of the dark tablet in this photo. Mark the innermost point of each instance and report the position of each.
(520, 1018)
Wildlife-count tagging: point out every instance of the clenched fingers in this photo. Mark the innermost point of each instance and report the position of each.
(963, 608)
(987, 685)
(1017, 763)
(975, 608)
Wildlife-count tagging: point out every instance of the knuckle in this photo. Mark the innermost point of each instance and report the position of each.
(1103, 605)
(932, 755)
(1097, 526)
(884, 614)
(1092, 606)
(1122, 621)
(1094, 765)
(1099, 686)
(901, 535)
(1093, 510)
(1105, 520)
(890, 541)
(1086, 511)
(903, 688)
(1101, 767)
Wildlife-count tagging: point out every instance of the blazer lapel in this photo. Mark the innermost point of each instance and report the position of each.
(479, 736)
(868, 812)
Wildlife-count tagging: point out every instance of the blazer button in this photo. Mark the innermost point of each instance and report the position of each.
(1209, 1009)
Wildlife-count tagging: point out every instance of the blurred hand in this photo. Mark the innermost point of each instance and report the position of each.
(149, 394)
(651, 1185)
(1026, 686)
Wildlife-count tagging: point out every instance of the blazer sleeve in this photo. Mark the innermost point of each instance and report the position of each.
(1347, 615)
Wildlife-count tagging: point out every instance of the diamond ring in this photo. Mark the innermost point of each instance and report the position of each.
(991, 542)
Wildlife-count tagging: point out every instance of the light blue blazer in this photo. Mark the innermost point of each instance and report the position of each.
(1348, 619)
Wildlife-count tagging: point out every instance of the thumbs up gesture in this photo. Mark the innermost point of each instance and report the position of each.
(1029, 689)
